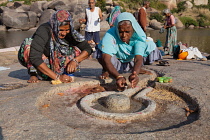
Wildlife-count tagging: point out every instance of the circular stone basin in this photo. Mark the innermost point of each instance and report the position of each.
(110, 105)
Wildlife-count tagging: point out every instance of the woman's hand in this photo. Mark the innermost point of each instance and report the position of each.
(134, 79)
(65, 78)
(71, 67)
(121, 83)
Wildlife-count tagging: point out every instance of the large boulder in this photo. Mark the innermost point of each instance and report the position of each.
(18, 4)
(3, 1)
(64, 7)
(201, 2)
(188, 5)
(37, 7)
(171, 4)
(154, 24)
(22, 9)
(19, 20)
(179, 24)
(45, 16)
(78, 12)
(53, 4)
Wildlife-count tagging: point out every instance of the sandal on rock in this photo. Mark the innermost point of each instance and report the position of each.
(163, 63)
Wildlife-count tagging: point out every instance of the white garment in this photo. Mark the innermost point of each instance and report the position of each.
(193, 53)
(149, 38)
(93, 24)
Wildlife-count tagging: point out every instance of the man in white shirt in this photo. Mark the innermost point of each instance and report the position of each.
(93, 16)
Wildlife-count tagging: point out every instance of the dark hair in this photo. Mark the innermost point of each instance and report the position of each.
(89, 1)
(146, 2)
(66, 22)
(124, 21)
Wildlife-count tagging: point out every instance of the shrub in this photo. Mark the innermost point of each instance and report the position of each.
(121, 4)
(101, 4)
(157, 5)
(156, 16)
(180, 7)
(187, 21)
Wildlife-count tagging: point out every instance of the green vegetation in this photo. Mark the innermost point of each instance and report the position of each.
(203, 6)
(101, 4)
(156, 16)
(157, 5)
(187, 21)
(180, 7)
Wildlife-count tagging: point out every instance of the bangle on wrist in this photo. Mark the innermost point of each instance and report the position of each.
(75, 60)
(57, 77)
(120, 76)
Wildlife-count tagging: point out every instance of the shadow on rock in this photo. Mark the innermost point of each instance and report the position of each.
(1, 136)
(19, 74)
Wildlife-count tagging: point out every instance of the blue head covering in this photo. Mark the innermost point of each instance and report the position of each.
(139, 33)
(112, 44)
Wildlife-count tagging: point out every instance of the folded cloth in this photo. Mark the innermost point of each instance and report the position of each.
(162, 30)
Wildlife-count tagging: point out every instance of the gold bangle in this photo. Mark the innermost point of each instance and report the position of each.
(75, 60)
(57, 77)
(120, 76)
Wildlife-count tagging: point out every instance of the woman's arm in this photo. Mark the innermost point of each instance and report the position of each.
(86, 51)
(39, 45)
(47, 71)
(133, 78)
(72, 65)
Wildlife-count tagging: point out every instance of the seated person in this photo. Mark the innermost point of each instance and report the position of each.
(56, 50)
(122, 49)
(154, 54)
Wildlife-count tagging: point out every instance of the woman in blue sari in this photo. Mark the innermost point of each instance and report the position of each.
(122, 50)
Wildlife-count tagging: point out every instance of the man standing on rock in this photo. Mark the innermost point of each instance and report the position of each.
(142, 20)
(93, 16)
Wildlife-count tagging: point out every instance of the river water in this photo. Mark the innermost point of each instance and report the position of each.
(193, 37)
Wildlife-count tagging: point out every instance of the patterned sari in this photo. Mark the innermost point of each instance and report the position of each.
(60, 52)
(171, 36)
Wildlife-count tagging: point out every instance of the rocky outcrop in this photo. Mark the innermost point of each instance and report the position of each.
(19, 20)
(154, 24)
(19, 16)
(170, 3)
(179, 24)
(200, 2)
(188, 5)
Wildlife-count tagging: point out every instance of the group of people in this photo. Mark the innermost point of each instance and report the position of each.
(57, 48)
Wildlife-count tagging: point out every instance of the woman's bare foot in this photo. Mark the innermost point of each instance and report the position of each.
(104, 75)
(142, 71)
(33, 79)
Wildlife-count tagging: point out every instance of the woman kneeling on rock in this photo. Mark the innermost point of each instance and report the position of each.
(122, 50)
(56, 50)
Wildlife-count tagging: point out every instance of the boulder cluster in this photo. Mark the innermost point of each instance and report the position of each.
(18, 16)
